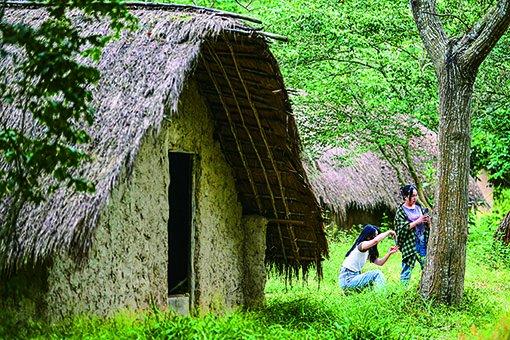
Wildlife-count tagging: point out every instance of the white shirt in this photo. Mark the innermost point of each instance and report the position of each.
(356, 260)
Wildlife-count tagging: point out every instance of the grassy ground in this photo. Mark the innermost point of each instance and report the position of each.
(313, 311)
(400, 312)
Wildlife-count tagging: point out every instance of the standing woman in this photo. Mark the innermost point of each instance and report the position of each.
(365, 248)
(412, 225)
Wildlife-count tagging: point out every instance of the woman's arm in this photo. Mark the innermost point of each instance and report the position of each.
(382, 260)
(363, 246)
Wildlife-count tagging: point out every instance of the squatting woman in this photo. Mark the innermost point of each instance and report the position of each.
(363, 249)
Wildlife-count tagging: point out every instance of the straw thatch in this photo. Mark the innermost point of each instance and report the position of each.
(143, 74)
(366, 187)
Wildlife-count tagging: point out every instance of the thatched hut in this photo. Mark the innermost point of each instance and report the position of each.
(365, 188)
(199, 183)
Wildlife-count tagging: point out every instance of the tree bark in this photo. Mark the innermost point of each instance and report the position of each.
(443, 277)
(456, 62)
(503, 232)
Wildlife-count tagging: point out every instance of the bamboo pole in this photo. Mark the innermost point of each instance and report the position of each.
(225, 74)
(295, 248)
(227, 112)
(252, 143)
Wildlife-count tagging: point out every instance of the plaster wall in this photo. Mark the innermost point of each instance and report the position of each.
(127, 264)
(254, 281)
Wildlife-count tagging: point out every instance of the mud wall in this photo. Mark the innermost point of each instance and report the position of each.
(127, 265)
(254, 280)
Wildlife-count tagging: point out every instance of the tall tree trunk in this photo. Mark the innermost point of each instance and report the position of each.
(443, 277)
(456, 61)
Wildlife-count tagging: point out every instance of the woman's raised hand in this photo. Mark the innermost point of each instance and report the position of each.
(420, 220)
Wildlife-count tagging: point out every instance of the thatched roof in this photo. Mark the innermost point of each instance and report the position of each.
(368, 182)
(143, 74)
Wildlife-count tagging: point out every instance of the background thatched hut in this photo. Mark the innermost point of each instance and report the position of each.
(364, 188)
(193, 95)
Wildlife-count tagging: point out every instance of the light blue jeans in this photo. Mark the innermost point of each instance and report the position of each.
(421, 245)
(407, 267)
(349, 279)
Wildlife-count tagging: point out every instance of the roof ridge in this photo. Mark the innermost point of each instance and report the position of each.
(170, 7)
(150, 6)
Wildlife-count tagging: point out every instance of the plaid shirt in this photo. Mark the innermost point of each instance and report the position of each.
(406, 237)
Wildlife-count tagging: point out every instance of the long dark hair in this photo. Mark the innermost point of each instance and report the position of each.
(368, 233)
(407, 190)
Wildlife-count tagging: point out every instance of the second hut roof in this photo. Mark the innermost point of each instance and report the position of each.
(368, 181)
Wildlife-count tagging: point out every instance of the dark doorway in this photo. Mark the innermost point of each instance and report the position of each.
(180, 223)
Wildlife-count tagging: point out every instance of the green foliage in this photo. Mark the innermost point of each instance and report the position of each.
(335, 234)
(481, 235)
(352, 71)
(491, 116)
(359, 85)
(458, 16)
(500, 331)
(52, 87)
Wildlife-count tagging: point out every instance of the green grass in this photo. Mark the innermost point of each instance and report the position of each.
(322, 311)
(313, 311)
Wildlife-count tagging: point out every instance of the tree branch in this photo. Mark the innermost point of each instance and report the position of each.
(484, 35)
(247, 6)
(431, 30)
(449, 15)
(378, 68)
